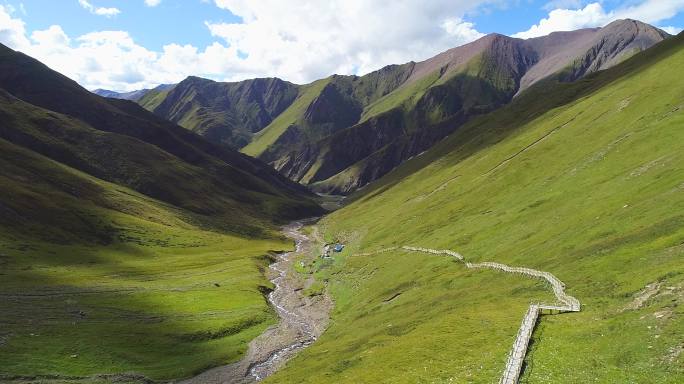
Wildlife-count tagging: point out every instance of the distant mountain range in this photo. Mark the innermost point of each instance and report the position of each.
(133, 95)
(339, 133)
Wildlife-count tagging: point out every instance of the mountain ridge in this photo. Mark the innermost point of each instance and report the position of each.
(56, 123)
(312, 140)
(582, 179)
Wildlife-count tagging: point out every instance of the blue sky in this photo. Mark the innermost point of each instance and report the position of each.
(129, 44)
(172, 21)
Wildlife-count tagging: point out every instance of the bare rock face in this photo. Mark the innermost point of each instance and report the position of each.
(613, 44)
(581, 52)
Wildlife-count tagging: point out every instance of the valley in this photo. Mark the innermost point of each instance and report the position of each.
(302, 319)
(132, 249)
(509, 210)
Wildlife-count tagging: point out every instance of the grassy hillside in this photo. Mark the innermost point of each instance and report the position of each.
(405, 110)
(100, 279)
(120, 142)
(583, 180)
(224, 113)
(291, 115)
(154, 97)
(128, 245)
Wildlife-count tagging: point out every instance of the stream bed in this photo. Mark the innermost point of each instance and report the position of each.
(302, 320)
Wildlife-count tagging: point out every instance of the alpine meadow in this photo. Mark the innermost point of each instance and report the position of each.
(232, 192)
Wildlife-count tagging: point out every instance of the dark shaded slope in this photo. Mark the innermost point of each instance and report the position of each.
(487, 81)
(226, 113)
(128, 243)
(119, 141)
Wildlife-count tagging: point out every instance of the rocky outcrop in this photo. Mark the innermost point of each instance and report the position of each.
(575, 54)
(613, 44)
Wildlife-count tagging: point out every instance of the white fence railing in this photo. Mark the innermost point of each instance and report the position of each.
(516, 356)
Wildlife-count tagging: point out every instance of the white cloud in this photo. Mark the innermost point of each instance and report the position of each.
(152, 3)
(671, 30)
(594, 15)
(12, 31)
(309, 39)
(101, 11)
(113, 60)
(567, 20)
(298, 41)
(53, 37)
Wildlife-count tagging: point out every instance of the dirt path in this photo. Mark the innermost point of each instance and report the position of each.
(302, 320)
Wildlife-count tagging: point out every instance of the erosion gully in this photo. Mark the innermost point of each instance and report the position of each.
(302, 320)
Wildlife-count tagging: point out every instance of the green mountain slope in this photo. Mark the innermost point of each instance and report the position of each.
(127, 243)
(442, 93)
(583, 180)
(398, 111)
(279, 125)
(225, 113)
(353, 117)
(78, 118)
(100, 279)
(152, 98)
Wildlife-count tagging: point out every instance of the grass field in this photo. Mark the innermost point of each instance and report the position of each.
(99, 279)
(584, 181)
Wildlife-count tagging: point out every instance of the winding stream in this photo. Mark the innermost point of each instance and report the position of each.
(282, 299)
(302, 320)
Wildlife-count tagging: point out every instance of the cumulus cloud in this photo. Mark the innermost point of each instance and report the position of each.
(152, 3)
(113, 60)
(12, 31)
(310, 39)
(100, 11)
(298, 41)
(594, 15)
(671, 30)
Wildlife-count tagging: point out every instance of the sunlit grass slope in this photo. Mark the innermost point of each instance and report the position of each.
(153, 98)
(99, 279)
(584, 180)
(291, 115)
